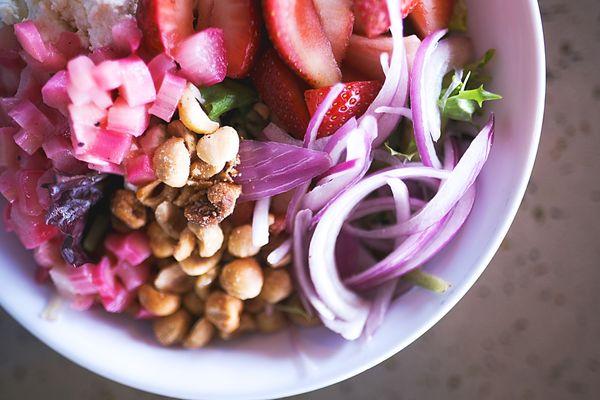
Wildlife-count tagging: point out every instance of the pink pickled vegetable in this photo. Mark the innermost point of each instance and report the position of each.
(126, 36)
(132, 248)
(29, 37)
(103, 278)
(127, 119)
(27, 194)
(8, 148)
(132, 276)
(137, 87)
(99, 145)
(167, 98)
(54, 92)
(107, 75)
(138, 169)
(159, 66)
(120, 301)
(153, 138)
(202, 57)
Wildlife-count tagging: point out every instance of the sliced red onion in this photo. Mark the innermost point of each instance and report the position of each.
(401, 199)
(451, 190)
(381, 304)
(444, 231)
(294, 205)
(317, 118)
(358, 148)
(402, 111)
(394, 91)
(275, 134)
(270, 168)
(277, 255)
(451, 153)
(305, 285)
(433, 60)
(260, 222)
(336, 143)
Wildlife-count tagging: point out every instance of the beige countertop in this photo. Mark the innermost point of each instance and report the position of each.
(530, 327)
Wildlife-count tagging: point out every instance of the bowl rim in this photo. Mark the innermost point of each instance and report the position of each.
(451, 301)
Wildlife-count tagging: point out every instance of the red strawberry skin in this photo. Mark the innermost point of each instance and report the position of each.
(337, 19)
(431, 15)
(282, 91)
(372, 18)
(165, 23)
(352, 102)
(296, 32)
(241, 23)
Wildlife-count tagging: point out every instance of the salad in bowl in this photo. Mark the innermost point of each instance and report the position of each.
(223, 168)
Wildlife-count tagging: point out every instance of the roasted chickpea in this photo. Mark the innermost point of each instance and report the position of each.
(242, 278)
(173, 279)
(193, 303)
(172, 329)
(223, 311)
(277, 285)
(158, 303)
(200, 335)
(240, 242)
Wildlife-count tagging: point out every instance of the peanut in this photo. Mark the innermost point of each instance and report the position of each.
(200, 334)
(186, 245)
(193, 303)
(218, 148)
(210, 238)
(172, 329)
(173, 279)
(172, 162)
(196, 265)
(223, 311)
(158, 303)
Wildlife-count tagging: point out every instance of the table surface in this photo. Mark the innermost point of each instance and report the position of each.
(538, 328)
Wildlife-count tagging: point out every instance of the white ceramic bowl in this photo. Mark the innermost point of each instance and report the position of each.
(268, 366)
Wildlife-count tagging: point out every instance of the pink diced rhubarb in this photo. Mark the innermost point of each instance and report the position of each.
(100, 146)
(27, 193)
(31, 40)
(107, 75)
(132, 276)
(132, 248)
(127, 119)
(137, 87)
(202, 57)
(159, 66)
(103, 277)
(31, 230)
(120, 301)
(54, 92)
(138, 169)
(33, 121)
(154, 137)
(126, 36)
(8, 147)
(168, 96)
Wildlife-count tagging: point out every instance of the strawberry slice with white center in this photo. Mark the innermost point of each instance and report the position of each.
(241, 23)
(337, 20)
(353, 101)
(363, 55)
(296, 32)
(372, 18)
(283, 91)
(165, 23)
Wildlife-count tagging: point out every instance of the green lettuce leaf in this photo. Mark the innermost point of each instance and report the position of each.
(226, 96)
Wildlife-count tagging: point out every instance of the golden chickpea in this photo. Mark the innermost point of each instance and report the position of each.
(277, 286)
(158, 303)
(240, 242)
(173, 279)
(172, 329)
(223, 311)
(200, 335)
(193, 303)
(242, 278)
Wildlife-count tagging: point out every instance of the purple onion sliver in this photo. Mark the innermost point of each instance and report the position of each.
(319, 115)
(260, 222)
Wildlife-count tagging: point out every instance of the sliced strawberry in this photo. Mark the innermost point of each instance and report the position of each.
(165, 23)
(372, 18)
(282, 91)
(295, 30)
(240, 21)
(431, 15)
(352, 102)
(337, 20)
(364, 54)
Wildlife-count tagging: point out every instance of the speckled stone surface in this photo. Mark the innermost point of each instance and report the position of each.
(529, 329)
